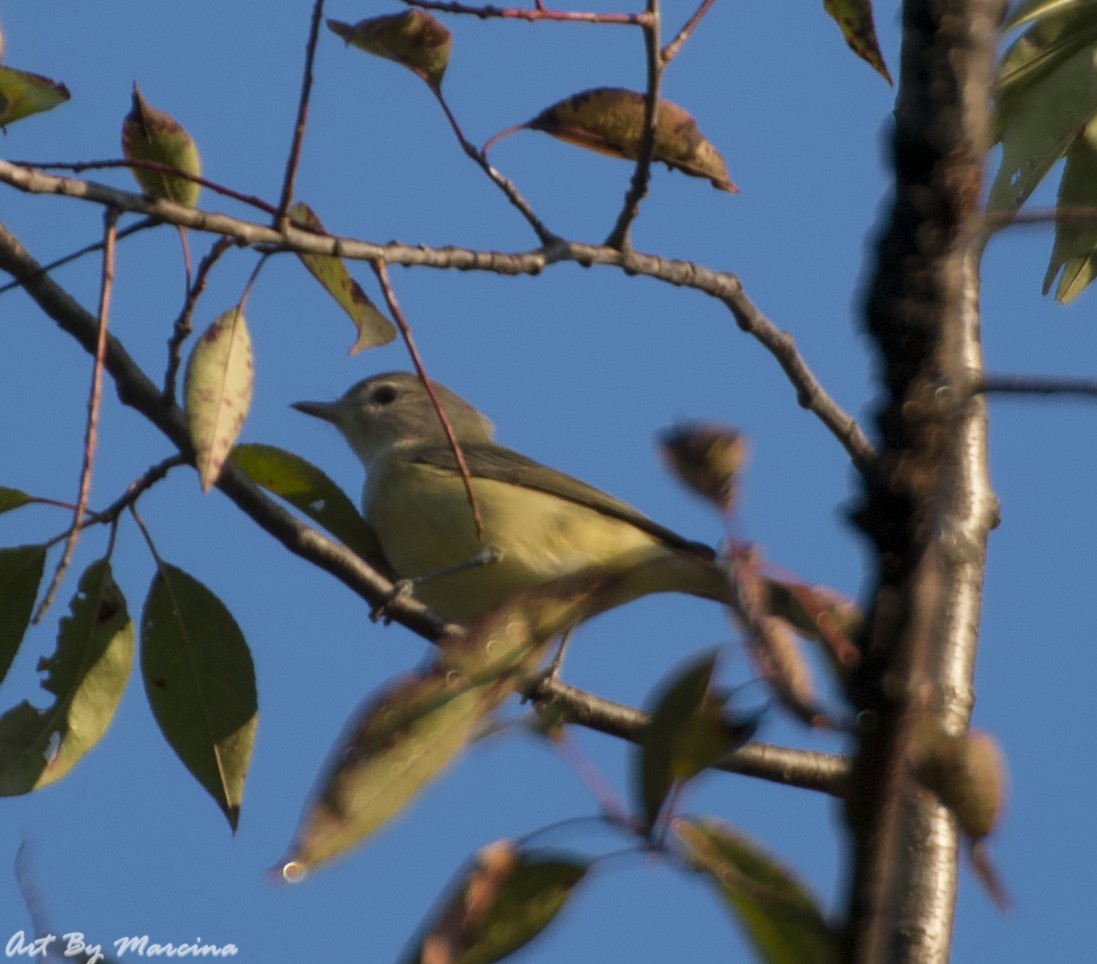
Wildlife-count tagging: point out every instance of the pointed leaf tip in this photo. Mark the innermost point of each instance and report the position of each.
(149, 134)
(414, 39)
(23, 93)
(854, 18)
(217, 392)
(610, 120)
(200, 682)
(374, 328)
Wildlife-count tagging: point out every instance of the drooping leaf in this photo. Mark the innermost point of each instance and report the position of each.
(818, 613)
(23, 93)
(20, 575)
(217, 393)
(405, 736)
(610, 121)
(200, 683)
(1075, 251)
(707, 458)
(304, 486)
(413, 38)
(149, 134)
(397, 743)
(779, 916)
(86, 675)
(502, 900)
(684, 735)
(1046, 93)
(854, 17)
(13, 499)
(373, 327)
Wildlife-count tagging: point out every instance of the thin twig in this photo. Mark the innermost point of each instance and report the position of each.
(88, 249)
(302, 118)
(405, 330)
(136, 489)
(544, 235)
(670, 51)
(77, 167)
(641, 175)
(110, 221)
(1037, 385)
(538, 14)
(807, 769)
(721, 285)
(182, 327)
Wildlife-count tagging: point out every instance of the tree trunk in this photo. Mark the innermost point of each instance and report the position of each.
(928, 506)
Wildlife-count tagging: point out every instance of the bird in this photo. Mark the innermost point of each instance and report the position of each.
(540, 526)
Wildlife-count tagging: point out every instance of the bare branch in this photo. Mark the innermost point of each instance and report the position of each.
(641, 175)
(1037, 385)
(91, 435)
(809, 770)
(721, 285)
(294, 157)
(536, 15)
(670, 51)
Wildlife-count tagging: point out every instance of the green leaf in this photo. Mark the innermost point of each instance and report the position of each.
(149, 134)
(20, 575)
(23, 93)
(86, 674)
(500, 903)
(1029, 10)
(12, 499)
(609, 120)
(373, 327)
(854, 17)
(779, 916)
(217, 393)
(1047, 92)
(413, 38)
(306, 488)
(686, 734)
(400, 741)
(1075, 249)
(200, 683)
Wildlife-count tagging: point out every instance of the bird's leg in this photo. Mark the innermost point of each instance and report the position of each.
(401, 587)
(558, 660)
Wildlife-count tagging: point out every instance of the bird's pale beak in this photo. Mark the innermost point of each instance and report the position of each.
(328, 411)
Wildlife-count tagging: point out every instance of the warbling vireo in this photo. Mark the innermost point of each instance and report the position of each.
(543, 524)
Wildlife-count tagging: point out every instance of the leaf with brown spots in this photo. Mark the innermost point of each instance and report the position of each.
(610, 120)
(149, 134)
(413, 38)
(373, 327)
(854, 17)
(217, 393)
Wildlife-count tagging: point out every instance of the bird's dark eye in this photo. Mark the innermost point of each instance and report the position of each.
(383, 395)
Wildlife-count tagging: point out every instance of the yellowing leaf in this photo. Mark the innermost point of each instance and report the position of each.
(373, 327)
(854, 17)
(149, 134)
(200, 683)
(303, 485)
(400, 741)
(610, 120)
(413, 38)
(217, 392)
(20, 575)
(779, 916)
(501, 902)
(23, 93)
(86, 674)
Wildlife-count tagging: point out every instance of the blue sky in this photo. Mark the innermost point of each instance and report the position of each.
(578, 368)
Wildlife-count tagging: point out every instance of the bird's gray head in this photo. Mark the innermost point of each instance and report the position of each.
(394, 409)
